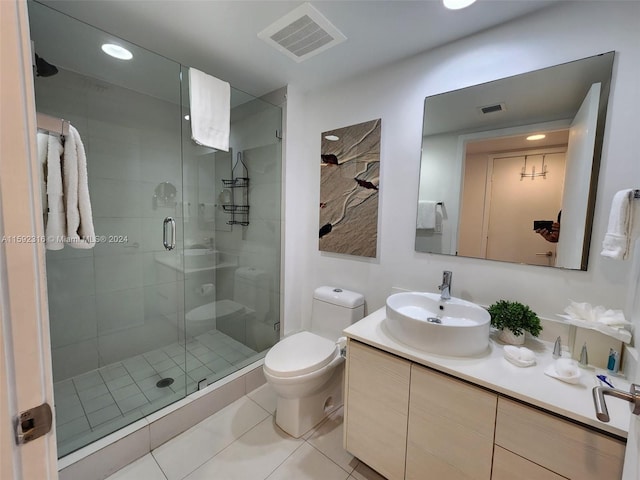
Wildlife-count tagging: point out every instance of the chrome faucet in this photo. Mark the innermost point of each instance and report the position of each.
(445, 288)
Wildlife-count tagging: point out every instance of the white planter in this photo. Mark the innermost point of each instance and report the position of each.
(508, 337)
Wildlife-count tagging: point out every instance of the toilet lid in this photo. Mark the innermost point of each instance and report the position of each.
(298, 354)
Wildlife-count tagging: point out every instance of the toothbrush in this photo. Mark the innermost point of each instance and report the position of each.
(603, 378)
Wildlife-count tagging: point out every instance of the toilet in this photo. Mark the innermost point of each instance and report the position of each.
(306, 369)
(250, 306)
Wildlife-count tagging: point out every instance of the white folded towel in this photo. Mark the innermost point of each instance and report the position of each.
(56, 222)
(616, 241)
(210, 102)
(426, 214)
(80, 232)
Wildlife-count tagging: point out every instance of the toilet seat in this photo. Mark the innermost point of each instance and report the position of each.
(299, 354)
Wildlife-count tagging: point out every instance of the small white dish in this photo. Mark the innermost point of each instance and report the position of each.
(519, 356)
(520, 363)
(551, 371)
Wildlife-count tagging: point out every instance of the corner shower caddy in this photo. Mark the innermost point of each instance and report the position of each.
(239, 206)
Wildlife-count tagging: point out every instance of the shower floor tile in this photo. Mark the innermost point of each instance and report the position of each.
(96, 403)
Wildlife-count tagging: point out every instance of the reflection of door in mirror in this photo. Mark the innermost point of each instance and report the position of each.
(517, 201)
(582, 137)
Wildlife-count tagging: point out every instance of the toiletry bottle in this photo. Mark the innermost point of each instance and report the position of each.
(614, 360)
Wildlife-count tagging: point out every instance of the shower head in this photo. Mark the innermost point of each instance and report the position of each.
(44, 68)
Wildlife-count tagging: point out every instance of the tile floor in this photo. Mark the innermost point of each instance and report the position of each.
(242, 442)
(94, 404)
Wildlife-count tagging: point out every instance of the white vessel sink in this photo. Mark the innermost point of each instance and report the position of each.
(446, 327)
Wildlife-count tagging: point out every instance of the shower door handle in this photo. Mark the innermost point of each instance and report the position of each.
(169, 244)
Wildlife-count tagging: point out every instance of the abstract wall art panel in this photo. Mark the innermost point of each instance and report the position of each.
(349, 182)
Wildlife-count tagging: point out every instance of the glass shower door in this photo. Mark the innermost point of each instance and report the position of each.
(116, 311)
(232, 230)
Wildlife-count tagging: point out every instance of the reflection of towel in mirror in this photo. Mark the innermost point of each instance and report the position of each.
(616, 241)
(426, 214)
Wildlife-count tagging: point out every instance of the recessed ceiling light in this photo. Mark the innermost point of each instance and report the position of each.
(538, 136)
(117, 51)
(457, 4)
(332, 138)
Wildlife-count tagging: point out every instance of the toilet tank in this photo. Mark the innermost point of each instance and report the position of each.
(334, 309)
(251, 288)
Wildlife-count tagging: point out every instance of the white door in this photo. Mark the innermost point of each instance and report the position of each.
(577, 180)
(25, 357)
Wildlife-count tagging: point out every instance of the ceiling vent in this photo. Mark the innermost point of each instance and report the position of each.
(302, 33)
(497, 108)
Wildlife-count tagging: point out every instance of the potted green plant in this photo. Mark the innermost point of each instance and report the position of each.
(513, 319)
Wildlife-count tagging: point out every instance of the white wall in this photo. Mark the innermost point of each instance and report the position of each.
(396, 94)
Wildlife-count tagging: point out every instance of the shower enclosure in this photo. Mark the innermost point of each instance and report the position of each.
(136, 326)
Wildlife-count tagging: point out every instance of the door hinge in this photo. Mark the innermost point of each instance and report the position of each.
(33, 423)
(276, 326)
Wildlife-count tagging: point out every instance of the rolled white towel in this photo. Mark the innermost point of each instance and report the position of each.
(519, 356)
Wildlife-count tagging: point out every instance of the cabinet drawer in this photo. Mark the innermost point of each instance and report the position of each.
(509, 466)
(561, 446)
(376, 409)
(451, 427)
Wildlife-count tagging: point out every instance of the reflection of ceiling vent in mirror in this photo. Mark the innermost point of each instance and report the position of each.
(302, 33)
(498, 107)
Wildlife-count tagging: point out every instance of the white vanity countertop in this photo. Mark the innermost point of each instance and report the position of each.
(494, 372)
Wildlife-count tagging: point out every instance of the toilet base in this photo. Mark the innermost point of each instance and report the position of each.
(297, 416)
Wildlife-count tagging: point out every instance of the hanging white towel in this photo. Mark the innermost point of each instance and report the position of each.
(426, 214)
(80, 232)
(616, 241)
(56, 222)
(210, 102)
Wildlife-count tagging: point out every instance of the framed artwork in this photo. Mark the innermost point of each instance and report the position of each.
(349, 183)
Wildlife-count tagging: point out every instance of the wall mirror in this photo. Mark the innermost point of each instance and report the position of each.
(499, 156)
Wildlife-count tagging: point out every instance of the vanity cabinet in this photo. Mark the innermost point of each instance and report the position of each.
(408, 421)
(451, 427)
(559, 445)
(509, 466)
(377, 399)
